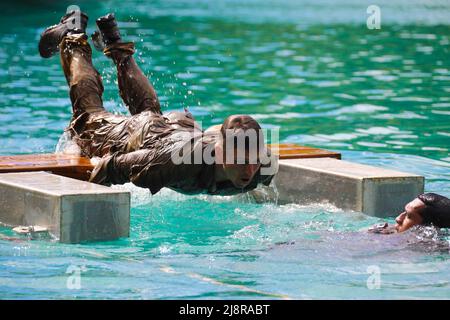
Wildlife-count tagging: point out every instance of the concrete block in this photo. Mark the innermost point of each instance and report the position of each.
(350, 186)
(72, 210)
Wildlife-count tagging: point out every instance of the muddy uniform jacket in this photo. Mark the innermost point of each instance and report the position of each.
(139, 149)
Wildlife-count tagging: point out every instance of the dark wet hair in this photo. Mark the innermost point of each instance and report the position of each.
(239, 124)
(243, 122)
(436, 211)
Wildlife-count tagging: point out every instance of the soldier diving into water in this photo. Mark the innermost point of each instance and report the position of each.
(140, 148)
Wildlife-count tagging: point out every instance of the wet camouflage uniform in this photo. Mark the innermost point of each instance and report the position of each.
(134, 148)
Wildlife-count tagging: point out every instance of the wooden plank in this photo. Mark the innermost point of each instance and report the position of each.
(61, 164)
(294, 151)
(80, 167)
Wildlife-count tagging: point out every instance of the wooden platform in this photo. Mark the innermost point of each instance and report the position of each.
(295, 151)
(64, 165)
(79, 167)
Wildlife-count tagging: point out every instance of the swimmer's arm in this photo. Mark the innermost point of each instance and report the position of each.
(383, 228)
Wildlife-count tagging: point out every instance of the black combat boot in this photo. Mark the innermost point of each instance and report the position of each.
(109, 32)
(52, 36)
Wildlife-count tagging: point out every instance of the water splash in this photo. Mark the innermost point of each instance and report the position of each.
(66, 145)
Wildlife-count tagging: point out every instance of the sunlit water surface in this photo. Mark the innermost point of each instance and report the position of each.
(314, 71)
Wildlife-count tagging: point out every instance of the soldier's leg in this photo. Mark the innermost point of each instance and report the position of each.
(135, 89)
(84, 80)
(68, 37)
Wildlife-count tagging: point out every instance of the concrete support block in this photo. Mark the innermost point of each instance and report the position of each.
(72, 210)
(351, 186)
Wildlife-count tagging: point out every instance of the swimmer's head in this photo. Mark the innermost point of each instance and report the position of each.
(242, 141)
(411, 216)
(427, 208)
(437, 210)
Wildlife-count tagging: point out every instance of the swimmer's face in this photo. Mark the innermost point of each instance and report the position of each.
(241, 174)
(411, 216)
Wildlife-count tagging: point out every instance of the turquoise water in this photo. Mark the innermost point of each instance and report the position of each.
(311, 69)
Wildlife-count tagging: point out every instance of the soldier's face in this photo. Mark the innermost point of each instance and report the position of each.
(241, 174)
